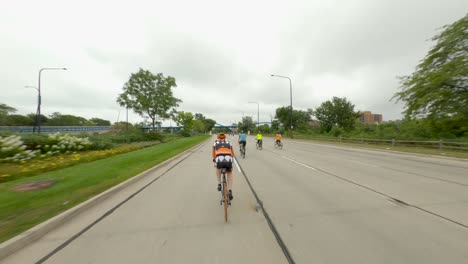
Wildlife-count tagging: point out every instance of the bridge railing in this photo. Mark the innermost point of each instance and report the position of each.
(55, 129)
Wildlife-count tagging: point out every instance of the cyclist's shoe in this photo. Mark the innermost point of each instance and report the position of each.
(230, 195)
(219, 187)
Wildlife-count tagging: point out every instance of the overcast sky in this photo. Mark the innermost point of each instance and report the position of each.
(220, 52)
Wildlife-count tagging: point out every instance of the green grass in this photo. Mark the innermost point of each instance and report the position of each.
(13, 171)
(20, 211)
(387, 147)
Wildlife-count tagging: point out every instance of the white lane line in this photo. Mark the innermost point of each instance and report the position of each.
(300, 163)
(363, 163)
(237, 165)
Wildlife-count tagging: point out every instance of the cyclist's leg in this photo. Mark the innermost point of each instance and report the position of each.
(229, 176)
(218, 175)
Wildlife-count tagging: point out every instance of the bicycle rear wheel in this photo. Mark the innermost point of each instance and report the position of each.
(226, 201)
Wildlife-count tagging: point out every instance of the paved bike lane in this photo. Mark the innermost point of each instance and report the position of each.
(175, 219)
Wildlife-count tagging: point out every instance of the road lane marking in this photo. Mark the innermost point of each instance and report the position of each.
(363, 163)
(300, 163)
(237, 165)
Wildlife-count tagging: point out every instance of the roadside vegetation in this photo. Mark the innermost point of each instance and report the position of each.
(21, 210)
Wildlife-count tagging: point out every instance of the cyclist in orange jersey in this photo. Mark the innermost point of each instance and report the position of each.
(278, 138)
(223, 157)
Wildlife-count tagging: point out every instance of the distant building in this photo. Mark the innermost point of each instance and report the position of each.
(368, 118)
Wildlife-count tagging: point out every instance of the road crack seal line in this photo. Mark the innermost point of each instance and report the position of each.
(109, 212)
(383, 194)
(272, 226)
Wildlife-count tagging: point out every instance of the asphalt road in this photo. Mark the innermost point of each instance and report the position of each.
(322, 204)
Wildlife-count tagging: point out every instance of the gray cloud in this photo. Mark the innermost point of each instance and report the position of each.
(221, 54)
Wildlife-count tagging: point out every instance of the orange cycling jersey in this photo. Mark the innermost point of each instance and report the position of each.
(278, 137)
(222, 147)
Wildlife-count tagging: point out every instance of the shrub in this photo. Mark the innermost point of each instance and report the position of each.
(13, 150)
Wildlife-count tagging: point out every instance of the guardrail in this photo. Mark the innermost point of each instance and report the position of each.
(440, 144)
(55, 129)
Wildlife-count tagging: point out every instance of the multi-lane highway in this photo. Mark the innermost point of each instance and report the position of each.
(321, 204)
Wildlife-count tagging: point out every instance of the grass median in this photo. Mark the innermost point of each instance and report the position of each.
(20, 211)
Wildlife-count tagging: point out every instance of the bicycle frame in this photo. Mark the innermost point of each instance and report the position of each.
(224, 194)
(242, 150)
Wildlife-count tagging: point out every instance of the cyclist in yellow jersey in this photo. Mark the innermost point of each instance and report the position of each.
(259, 138)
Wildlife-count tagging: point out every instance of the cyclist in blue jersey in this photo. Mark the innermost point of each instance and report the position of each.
(242, 139)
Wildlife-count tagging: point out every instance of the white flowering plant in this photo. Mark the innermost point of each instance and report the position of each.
(13, 149)
(67, 143)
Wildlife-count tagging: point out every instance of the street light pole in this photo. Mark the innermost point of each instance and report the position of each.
(38, 96)
(290, 96)
(258, 113)
(38, 113)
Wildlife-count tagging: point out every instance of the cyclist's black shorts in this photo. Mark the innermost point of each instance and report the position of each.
(243, 142)
(224, 162)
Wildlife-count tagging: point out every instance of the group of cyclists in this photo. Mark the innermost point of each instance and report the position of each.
(223, 155)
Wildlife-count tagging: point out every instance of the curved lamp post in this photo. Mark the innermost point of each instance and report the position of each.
(258, 113)
(38, 113)
(290, 95)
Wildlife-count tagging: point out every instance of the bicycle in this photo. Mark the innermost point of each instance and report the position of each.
(242, 150)
(260, 144)
(224, 194)
(279, 145)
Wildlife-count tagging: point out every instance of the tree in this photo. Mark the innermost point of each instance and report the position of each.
(247, 124)
(209, 124)
(5, 109)
(199, 126)
(18, 120)
(184, 119)
(438, 88)
(299, 117)
(43, 118)
(337, 112)
(199, 116)
(100, 122)
(150, 95)
(57, 119)
(276, 125)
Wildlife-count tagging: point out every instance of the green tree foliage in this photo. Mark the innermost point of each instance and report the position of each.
(184, 119)
(150, 95)
(5, 109)
(438, 89)
(209, 124)
(199, 126)
(57, 119)
(247, 124)
(43, 118)
(203, 124)
(299, 118)
(337, 112)
(276, 125)
(100, 122)
(18, 120)
(199, 116)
